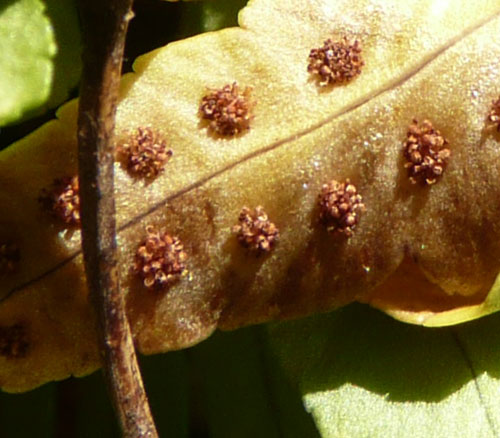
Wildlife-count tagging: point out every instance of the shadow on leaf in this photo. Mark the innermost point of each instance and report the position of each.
(364, 348)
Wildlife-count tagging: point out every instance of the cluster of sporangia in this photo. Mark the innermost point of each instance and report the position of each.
(63, 200)
(229, 110)
(425, 152)
(336, 61)
(160, 258)
(255, 231)
(13, 341)
(145, 153)
(494, 115)
(339, 207)
(9, 257)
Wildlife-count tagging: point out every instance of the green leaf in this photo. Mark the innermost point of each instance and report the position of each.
(218, 14)
(39, 56)
(238, 391)
(417, 252)
(362, 374)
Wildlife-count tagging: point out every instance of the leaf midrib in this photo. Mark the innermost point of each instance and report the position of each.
(470, 366)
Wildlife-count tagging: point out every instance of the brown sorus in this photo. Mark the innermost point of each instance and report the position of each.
(339, 207)
(160, 259)
(494, 114)
(228, 109)
(144, 153)
(9, 257)
(62, 200)
(425, 152)
(255, 231)
(13, 341)
(336, 61)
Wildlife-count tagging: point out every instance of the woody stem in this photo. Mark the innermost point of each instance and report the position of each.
(104, 28)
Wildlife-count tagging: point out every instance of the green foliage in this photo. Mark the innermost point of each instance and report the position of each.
(209, 15)
(362, 374)
(39, 56)
(229, 386)
(359, 373)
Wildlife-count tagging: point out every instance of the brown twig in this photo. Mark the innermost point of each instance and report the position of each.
(104, 26)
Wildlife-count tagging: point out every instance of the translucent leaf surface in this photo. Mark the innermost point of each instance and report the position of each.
(418, 252)
(40, 56)
(362, 374)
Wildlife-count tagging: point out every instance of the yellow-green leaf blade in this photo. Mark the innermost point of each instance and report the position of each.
(300, 138)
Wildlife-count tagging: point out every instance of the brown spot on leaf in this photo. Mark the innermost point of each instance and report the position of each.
(336, 61)
(255, 231)
(494, 114)
(13, 341)
(340, 206)
(62, 200)
(9, 258)
(159, 260)
(144, 153)
(228, 109)
(425, 152)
